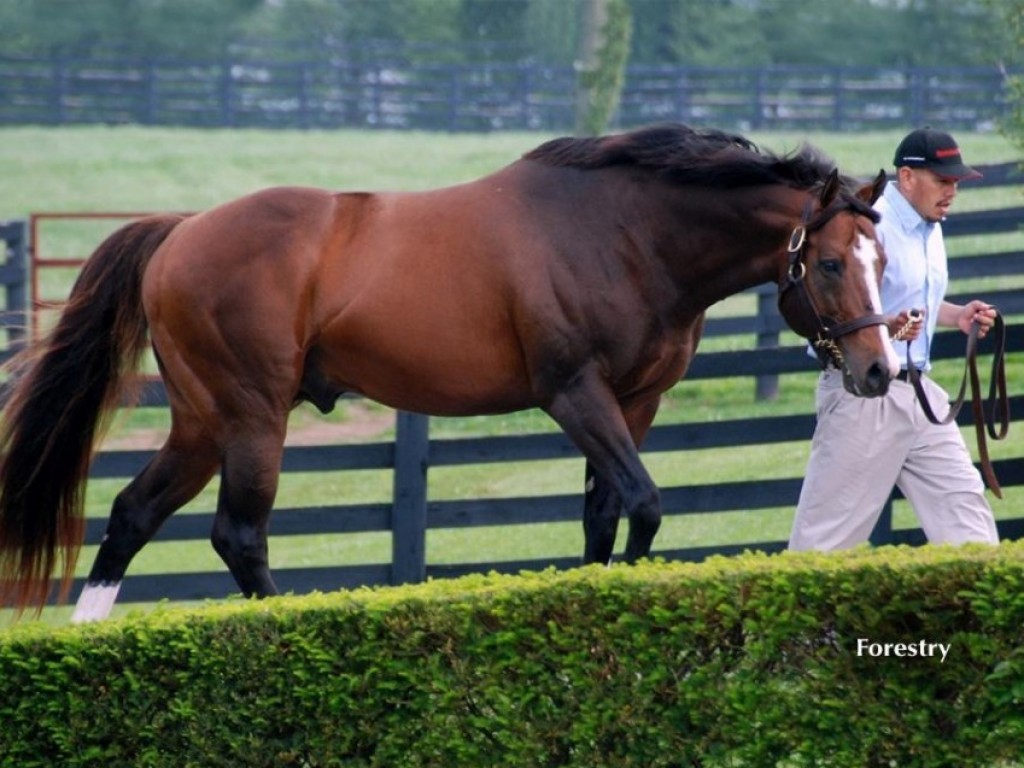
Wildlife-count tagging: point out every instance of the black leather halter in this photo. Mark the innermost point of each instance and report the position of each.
(797, 306)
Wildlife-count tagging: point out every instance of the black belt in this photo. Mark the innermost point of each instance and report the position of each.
(902, 375)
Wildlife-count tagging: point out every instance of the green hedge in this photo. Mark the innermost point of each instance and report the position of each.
(749, 661)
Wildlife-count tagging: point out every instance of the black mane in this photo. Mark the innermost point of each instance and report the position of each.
(690, 156)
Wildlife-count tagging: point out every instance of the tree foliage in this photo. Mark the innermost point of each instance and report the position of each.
(886, 33)
(604, 52)
(895, 33)
(123, 27)
(1013, 125)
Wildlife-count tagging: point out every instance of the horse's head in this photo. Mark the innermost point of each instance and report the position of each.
(829, 286)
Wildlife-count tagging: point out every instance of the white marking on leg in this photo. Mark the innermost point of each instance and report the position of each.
(867, 254)
(96, 602)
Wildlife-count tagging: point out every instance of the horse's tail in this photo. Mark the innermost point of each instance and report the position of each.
(63, 391)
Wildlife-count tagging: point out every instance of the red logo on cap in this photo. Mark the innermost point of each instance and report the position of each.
(953, 152)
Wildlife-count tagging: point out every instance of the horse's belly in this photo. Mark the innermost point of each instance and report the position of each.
(426, 390)
(437, 374)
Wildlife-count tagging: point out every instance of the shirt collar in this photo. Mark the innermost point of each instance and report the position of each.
(909, 219)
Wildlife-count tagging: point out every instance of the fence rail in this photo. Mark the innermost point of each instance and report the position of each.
(326, 93)
(686, 500)
(413, 453)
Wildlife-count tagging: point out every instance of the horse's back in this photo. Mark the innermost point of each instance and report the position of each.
(418, 300)
(480, 297)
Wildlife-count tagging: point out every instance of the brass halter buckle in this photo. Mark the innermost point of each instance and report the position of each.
(797, 239)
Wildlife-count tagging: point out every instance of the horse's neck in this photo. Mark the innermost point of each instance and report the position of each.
(717, 249)
(724, 263)
(734, 267)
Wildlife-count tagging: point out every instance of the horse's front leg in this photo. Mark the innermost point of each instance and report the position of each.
(601, 505)
(591, 416)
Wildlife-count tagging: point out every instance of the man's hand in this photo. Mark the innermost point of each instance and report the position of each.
(977, 311)
(907, 325)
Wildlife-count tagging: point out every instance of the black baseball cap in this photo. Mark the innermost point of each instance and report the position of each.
(929, 148)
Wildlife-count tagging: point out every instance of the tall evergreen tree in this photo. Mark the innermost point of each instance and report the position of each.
(603, 52)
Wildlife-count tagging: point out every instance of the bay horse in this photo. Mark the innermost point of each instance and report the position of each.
(574, 280)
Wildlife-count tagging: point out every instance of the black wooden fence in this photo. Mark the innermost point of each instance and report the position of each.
(411, 512)
(387, 93)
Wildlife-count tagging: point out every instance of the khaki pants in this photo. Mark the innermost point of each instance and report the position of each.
(862, 447)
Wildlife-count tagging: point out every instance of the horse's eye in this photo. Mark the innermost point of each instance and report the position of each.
(831, 266)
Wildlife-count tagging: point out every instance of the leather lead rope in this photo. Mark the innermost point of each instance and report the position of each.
(999, 404)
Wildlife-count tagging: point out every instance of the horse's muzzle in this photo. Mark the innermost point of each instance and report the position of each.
(875, 382)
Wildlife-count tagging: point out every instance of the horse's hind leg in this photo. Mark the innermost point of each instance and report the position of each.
(602, 505)
(249, 477)
(172, 478)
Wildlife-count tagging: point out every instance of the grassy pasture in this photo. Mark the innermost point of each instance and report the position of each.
(150, 169)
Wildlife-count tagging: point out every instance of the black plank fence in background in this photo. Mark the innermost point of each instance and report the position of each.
(14, 280)
(386, 91)
(411, 512)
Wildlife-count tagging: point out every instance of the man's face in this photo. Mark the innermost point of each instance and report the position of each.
(930, 194)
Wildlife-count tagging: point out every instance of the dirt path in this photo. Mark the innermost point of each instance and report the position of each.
(362, 423)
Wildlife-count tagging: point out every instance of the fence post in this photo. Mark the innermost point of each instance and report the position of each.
(14, 274)
(757, 117)
(838, 99)
(303, 80)
(767, 385)
(454, 97)
(882, 534)
(60, 87)
(525, 83)
(409, 510)
(376, 117)
(916, 96)
(226, 93)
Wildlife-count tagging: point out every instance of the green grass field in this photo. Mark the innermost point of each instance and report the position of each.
(145, 169)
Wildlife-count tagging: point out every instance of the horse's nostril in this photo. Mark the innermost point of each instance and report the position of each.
(877, 379)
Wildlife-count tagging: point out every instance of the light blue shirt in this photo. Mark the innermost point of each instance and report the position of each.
(916, 274)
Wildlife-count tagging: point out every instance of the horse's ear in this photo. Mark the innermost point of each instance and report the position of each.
(831, 188)
(869, 193)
